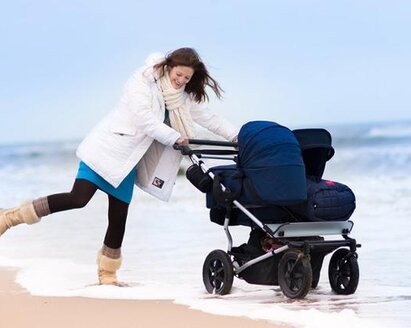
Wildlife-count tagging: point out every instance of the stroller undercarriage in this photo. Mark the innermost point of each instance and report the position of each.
(295, 273)
(295, 258)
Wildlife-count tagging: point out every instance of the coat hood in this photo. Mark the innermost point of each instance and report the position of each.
(154, 58)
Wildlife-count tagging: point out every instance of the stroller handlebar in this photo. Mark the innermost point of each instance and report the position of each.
(187, 150)
(212, 143)
(184, 149)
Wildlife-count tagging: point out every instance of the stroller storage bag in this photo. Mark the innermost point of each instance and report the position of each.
(266, 271)
(326, 201)
(202, 181)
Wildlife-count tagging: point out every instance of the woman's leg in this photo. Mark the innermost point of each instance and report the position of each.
(78, 197)
(32, 211)
(117, 217)
(109, 257)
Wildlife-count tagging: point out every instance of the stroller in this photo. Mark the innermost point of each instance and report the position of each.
(275, 187)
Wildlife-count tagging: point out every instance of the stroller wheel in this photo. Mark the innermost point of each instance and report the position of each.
(295, 274)
(343, 272)
(218, 273)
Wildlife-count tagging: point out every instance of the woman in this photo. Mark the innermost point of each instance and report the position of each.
(133, 144)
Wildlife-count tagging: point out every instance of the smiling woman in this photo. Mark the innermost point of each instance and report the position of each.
(183, 72)
(180, 76)
(133, 145)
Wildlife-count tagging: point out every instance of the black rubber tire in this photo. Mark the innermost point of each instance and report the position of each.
(295, 274)
(218, 274)
(344, 272)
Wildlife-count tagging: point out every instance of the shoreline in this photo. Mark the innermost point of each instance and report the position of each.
(20, 309)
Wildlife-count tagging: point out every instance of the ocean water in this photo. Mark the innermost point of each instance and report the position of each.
(166, 243)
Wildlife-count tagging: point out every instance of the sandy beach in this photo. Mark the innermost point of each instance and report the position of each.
(20, 309)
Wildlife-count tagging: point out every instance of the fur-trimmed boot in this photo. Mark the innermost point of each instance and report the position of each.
(25, 213)
(108, 266)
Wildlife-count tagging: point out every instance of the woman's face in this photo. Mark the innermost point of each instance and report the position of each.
(180, 75)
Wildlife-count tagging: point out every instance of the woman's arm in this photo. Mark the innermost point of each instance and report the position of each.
(213, 122)
(140, 104)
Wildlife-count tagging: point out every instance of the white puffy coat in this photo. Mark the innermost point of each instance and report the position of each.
(120, 141)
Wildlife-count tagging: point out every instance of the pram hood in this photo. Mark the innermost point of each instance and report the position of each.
(317, 149)
(270, 169)
(264, 144)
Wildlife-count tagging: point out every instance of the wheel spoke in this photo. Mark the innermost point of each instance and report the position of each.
(219, 270)
(343, 281)
(298, 275)
(344, 274)
(291, 285)
(219, 280)
(294, 277)
(298, 284)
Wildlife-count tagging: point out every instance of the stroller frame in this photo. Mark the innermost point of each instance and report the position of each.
(295, 275)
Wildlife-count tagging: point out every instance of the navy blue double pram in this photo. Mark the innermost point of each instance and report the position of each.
(276, 188)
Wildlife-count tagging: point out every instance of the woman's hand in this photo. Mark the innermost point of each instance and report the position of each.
(182, 141)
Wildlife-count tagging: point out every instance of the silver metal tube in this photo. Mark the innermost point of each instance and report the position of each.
(218, 157)
(249, 214)
(228, 234)
(261, 258)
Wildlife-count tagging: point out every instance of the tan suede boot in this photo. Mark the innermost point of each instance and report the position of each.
(24, 213)
(107, 269)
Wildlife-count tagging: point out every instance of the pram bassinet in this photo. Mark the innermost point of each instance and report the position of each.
(269, 173)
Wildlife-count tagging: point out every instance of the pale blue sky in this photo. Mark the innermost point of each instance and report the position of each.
(300, 63)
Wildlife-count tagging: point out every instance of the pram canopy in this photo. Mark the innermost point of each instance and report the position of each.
(270, 168)
(316, 149)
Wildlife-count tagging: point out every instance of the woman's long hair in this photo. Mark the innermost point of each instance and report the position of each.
(200, 79)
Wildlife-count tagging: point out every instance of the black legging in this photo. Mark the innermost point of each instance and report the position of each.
(79, 197)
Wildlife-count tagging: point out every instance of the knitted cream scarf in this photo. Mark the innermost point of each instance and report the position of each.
(180, 117)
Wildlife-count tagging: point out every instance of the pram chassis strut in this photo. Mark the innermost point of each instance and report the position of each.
(288, 234)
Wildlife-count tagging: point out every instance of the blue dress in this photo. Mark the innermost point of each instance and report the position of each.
(123, 192)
